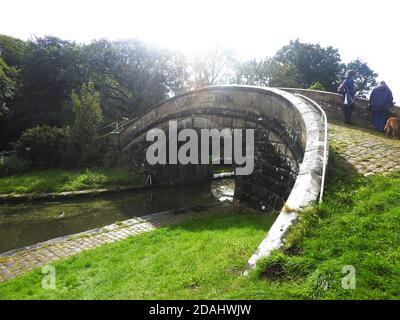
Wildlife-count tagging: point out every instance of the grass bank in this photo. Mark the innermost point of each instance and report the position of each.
(355, 232)
(348, 246)
(203, 258)
(59, 180)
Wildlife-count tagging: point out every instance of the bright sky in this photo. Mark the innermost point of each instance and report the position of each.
(358, 28)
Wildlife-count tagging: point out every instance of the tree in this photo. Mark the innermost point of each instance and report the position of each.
(7, 87)
(295, 65)
(87, 111)
(212, 67)
(12, 50)
(310, 63)
(48, 69)
(253, 72)
(175, 69)
(282, 75)
(133, 76)
(51, 69)
(266, 73)
(86, 107)
(365, 78)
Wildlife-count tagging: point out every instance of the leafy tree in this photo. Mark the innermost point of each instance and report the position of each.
(253, 72)
(267, 73)
(86, 107)
(87, 110)
(212, 67)
(7, 87)
(282, 75)
(51, 69)
(311, 63)
(305, 65)
(12, 50)
(176, 73)
(132, 76)
(365, 78)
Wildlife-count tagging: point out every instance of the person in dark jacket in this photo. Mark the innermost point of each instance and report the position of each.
(380, 100)
(348, 90)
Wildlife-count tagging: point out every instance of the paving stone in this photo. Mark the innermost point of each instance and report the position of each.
(369, 152)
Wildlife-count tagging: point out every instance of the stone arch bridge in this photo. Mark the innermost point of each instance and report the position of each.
(288, 139)
(290, 146)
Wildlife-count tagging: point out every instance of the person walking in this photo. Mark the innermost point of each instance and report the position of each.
(380, 100)
(347, 89)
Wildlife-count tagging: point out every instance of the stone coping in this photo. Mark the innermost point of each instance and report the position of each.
(308, 183)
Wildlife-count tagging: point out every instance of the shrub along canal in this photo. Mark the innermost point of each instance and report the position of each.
(33, 222)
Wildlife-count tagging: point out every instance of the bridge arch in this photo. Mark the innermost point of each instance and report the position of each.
(289, 146)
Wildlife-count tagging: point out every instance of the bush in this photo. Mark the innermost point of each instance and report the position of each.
(317, 86)
(44, 145)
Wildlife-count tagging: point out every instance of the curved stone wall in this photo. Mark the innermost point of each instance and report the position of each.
(289, 146)
(332, 102)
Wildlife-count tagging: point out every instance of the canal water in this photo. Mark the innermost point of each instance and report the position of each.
(30, 223)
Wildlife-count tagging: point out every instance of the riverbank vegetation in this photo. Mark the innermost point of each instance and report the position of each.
(59, 180)
(355, 232)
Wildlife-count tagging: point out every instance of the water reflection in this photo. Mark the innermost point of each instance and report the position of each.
(223, 190)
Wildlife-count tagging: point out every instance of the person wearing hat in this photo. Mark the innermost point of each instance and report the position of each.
(347, 89)
(380, 100)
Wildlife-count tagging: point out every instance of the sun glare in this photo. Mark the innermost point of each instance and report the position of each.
(252, 28)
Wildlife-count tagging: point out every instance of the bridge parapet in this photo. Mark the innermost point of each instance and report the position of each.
(332, 102)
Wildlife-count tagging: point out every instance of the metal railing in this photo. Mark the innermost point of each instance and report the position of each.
(325, 160)
(115, 127)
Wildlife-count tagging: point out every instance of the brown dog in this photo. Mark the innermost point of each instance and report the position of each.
(392, 126)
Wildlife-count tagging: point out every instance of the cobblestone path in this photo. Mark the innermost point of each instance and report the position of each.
(366, 151)
(17, 262)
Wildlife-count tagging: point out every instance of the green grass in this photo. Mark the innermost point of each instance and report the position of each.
(58, 180)
(203, 258)
(358, 225)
